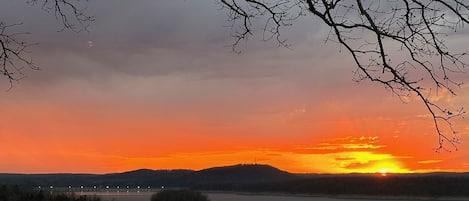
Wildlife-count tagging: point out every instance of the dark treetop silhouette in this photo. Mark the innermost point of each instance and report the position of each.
(369, 30)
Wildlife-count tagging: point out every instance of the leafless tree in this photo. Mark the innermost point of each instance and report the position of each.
(13, 47)
(397, 43)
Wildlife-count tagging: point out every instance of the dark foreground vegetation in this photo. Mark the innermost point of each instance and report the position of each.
(17, 193)
(178, 195)
(258, 179)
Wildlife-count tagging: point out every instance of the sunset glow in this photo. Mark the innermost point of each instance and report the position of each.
(141, 92)
(384, 172)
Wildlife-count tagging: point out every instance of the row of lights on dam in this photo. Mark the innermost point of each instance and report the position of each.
(106, 187)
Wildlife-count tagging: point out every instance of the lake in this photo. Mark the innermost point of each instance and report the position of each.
(145, 196)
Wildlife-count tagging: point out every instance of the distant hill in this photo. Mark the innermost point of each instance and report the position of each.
(261, 178)
(145, 177)
(243, 173)
(238, 177)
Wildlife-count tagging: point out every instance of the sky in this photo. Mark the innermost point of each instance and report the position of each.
(154, 84)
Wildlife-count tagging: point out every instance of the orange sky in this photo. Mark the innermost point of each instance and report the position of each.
(166, 95)
(44, 137)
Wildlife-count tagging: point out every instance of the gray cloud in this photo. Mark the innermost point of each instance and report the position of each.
(164, 54)
(151, 38)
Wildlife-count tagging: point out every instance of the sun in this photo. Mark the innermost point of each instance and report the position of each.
(384, 172)
(385, 168)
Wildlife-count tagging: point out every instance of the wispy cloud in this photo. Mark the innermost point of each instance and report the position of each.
(429, 161)
(344, 144)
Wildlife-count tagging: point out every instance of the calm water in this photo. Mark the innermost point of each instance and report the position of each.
(144, 196)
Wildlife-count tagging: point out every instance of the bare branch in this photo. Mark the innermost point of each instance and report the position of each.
(13, 50)
(72, 16)
(276, 15)
(370, 30)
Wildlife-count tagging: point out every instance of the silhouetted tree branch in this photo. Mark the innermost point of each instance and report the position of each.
(13, 49)
(370, 30)
(70, 12)
(12, 53)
